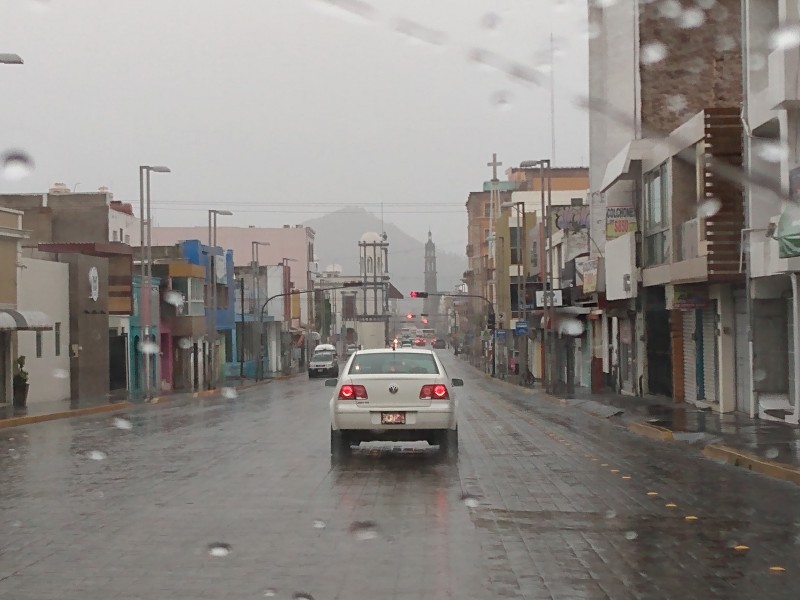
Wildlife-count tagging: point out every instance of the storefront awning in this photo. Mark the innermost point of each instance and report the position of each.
(24, 320)
(618, 167)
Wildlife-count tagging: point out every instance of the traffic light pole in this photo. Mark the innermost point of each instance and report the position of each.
(491, 319)
(264, 312)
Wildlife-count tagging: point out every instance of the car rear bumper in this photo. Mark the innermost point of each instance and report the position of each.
(432, 417)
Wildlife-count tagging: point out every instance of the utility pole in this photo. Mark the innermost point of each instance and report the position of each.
(493, 196)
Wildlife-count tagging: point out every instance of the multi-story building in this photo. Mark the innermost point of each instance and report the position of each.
(665, 115)
(772, 230)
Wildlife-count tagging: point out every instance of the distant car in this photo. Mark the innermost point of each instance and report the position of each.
(439, 344)
(323, 364)
(349, 349)
(326, 348)
(393, 395)
(406, 344)
(421, 342)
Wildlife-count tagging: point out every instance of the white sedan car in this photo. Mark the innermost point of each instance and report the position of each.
(393, 395)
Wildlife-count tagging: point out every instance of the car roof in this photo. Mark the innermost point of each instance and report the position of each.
(389, 351)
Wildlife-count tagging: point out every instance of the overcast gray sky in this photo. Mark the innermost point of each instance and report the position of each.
(286, 109)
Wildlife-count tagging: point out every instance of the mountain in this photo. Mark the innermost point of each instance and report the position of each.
(336, 242)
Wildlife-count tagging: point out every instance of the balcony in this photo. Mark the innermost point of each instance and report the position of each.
(783, 91)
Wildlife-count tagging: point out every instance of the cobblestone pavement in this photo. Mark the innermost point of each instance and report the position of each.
(237, 498)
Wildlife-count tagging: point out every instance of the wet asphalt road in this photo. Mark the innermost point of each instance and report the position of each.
(544, 502)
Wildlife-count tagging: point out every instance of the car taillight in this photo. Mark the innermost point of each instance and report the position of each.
(438, 391)
(353, 392)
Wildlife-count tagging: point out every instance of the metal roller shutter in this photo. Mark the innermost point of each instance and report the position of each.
(710, 344)
(742, 349)
(689, 358)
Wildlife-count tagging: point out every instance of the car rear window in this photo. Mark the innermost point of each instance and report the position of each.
(391, 363)
(323, 356)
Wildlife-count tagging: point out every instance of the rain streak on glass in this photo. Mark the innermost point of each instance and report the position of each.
(174, 298)
(219, 549)
(725, 43)
(770, 151)
(96, 455)
(571, 327)
(501, 100)
(692, 18)
(677, 103)
(14, 453)
(60, 373)
(631, 535)
(269, 593)
(319, 524)
(611, 514)
(184, 343)
(490, 21)
(416, 32)
(670, 9)
(229, 393)
(759, 375)
(772, 453)
(16, 165)
(356, 11)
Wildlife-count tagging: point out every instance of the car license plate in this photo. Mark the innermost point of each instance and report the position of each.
(393, 418)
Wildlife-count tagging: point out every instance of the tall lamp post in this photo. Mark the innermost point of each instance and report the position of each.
(522, 275)
(212, 245)
(146, 272)
(256, 291)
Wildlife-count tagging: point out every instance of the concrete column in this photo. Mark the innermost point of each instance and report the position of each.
(726, 365)
(795, 418)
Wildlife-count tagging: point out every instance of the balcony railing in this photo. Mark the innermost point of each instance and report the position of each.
(688, 234)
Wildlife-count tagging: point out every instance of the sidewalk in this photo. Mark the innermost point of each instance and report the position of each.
(766, 447)
(38, 412)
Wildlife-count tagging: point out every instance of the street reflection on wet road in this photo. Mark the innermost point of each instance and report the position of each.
(238, 498)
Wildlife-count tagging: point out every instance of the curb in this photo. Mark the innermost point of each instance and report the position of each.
(111, 407)
(654, 432)
(752, 462)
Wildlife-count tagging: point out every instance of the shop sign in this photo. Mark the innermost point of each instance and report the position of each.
(94, 284)
(590, 276)
(687, 298)
(619, 221)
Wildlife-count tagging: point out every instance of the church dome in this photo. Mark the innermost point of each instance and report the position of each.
(371, 238)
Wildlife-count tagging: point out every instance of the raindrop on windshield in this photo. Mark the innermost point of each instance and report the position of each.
(14, 453)
(631, 535)
(364, 530)
(490, 21)
(677, 103)
(610, 514)
(706, 4)
(148, 347)
(670, 9)
(692, 18)
(16, 523)
(571, 327)
(759, 375)
(757, 61)
(269, 593)
(121, 423)
(653, 52)
(219, 549)
(184, 343)
(302, 596)
(96, 455)
(229, 393)
(356, 11)
(709, 208)
(60, 373)
(786, 37)
(416, 32)
(174, 298)
(17, 165)
(319, 524)
(725, 43)
(771, 151)
(501, 100)
(772, 453)
(470, 501)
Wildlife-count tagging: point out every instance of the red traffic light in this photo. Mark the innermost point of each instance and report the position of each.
(409, 316)
(419, 294)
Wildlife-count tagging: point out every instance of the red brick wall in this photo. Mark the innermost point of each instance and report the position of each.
(703, 65)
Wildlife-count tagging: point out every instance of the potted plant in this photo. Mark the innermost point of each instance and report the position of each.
(21, 384)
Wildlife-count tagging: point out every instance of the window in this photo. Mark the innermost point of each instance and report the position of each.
(369, 264)
(114, 236)
(487, 209)
(57, 332)
(515, 244)
(385, 363)
(485, 235)
(656, 205)
(192, 289)
(38, 344)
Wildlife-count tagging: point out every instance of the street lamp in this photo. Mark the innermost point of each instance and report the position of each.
(146, 269)
(256, 285)
(212, 244)
(521, 244)
(8, 58)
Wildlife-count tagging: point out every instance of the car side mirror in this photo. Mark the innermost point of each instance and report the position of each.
(332, 382)
(458, 382)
